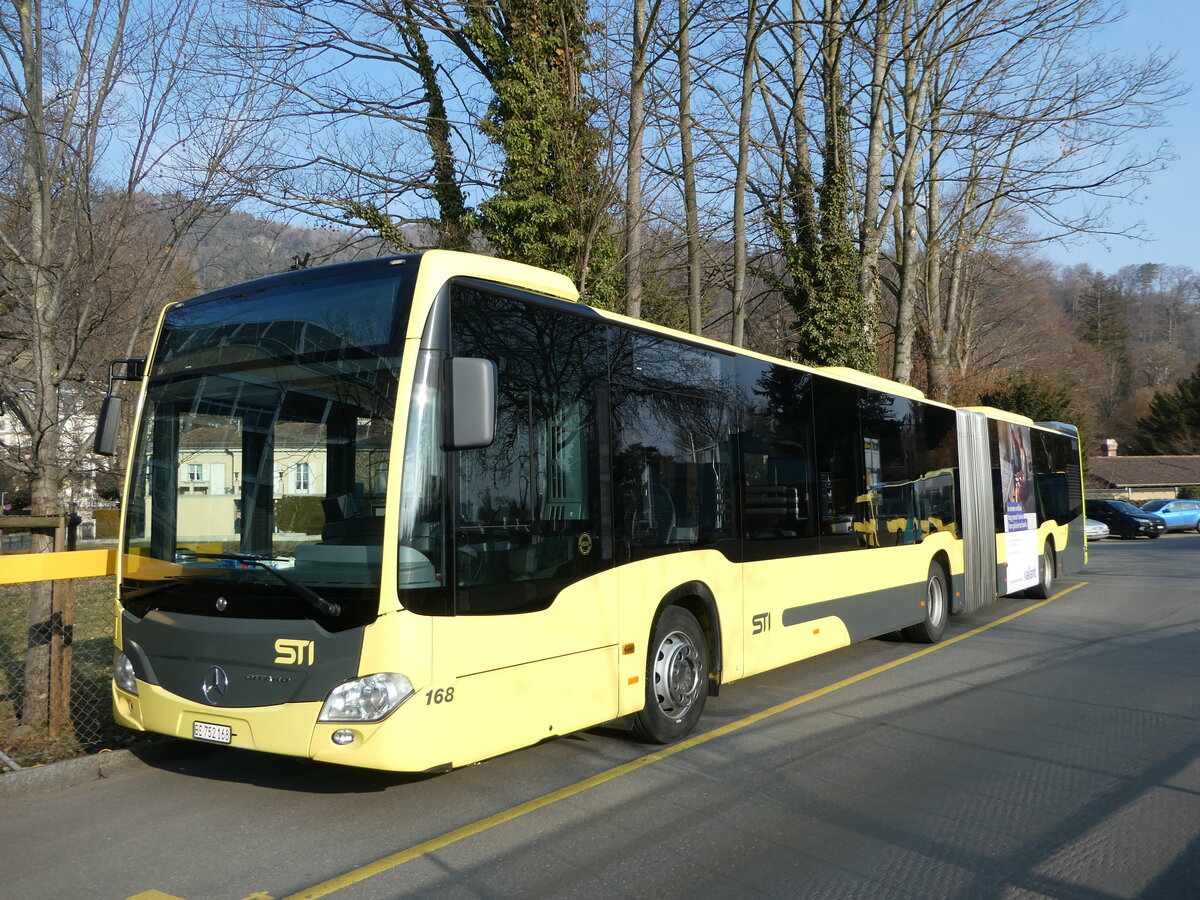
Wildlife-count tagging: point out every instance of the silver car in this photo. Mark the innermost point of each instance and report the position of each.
(1095, 530)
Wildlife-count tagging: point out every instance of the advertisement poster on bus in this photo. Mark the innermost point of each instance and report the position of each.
(1020, 506)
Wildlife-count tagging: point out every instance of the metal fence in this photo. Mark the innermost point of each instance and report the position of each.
(56, 619)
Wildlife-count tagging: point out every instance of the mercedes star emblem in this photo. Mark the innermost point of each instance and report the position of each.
(216, 683)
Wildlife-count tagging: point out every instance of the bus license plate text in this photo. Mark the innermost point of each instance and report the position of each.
(206, 731)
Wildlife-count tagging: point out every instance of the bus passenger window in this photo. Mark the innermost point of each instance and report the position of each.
(526, 511)
(670, 472)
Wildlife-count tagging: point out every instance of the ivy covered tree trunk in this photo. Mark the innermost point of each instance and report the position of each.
(455, 232)
(834, 327)
(549, 208)
(810, 218)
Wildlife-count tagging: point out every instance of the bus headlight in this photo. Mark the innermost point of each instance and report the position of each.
(123, 673)
(366, 699)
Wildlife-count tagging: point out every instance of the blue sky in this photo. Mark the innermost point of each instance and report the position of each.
(1168, 206)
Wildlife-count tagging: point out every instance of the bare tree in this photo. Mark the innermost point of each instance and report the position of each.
(687, 170)
(1014, 116)
(124, 145)
(643, 25)
(377, 125)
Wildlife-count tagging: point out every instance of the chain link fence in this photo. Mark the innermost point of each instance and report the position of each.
(80, 720)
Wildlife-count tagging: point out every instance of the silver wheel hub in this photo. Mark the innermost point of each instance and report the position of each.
(935, 602)
(678, 675)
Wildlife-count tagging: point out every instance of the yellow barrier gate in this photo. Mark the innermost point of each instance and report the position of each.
(48, 665)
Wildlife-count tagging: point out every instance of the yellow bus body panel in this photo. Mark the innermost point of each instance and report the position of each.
(642, 585)
(522, 677)
(831, 583)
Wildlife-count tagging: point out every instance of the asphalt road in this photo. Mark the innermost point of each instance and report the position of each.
(1042, 750)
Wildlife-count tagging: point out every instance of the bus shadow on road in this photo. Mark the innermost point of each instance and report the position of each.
(283, 773)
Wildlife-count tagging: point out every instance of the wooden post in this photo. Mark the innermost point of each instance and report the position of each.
(62, 619)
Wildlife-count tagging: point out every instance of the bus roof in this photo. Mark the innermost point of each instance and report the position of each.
(442, 264)
(1002, 414)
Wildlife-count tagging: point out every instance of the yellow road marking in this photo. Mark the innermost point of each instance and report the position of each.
(362, 873)
(159, 895)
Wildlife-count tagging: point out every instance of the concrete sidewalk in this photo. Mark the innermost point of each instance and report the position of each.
(71, 772)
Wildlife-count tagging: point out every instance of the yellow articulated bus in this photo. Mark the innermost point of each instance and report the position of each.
(412, 513)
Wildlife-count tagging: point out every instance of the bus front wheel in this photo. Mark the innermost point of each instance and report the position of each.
(936, 609)
(676, 678)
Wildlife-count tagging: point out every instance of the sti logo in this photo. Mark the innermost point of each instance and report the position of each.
(762, 622)
(294, 653)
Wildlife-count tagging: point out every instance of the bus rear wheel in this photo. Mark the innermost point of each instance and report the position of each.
(936, 609)
(1045, 586)
(676, 678)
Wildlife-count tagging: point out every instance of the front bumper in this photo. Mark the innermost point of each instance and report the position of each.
(291, 729)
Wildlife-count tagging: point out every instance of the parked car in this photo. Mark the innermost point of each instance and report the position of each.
(1095, 530)
(1125, 519)
(1180, 515)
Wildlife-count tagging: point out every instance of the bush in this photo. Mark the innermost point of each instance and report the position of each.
(108, 523)
(303, 515)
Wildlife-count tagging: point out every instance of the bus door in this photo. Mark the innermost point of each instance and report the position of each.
(531, 646)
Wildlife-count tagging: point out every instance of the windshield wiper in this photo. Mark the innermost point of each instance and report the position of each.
(315, 600)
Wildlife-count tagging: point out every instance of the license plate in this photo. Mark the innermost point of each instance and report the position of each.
(206, 731)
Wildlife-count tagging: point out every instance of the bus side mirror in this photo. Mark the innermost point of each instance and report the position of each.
(470, 403)
(107, 426)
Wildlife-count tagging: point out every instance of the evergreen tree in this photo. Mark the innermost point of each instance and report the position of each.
(1103, 322)
(1102, 318)
(1173, 424)
(1031, 396)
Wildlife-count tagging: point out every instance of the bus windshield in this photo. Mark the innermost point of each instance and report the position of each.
(264, 442)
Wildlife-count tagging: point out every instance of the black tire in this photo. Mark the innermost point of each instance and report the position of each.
(1044, 589)
(937, 608)
(676, 678)
(1127, 533)
(1198, 524)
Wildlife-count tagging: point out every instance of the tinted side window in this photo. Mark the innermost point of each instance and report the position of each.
(937, 469)
(671, 446)
(840, 456)
(778, 462)
(527, 508)
(889, 448)
(648, 362)
(1056, 470)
